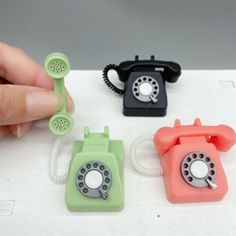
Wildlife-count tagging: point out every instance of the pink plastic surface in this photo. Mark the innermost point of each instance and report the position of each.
(173, 144)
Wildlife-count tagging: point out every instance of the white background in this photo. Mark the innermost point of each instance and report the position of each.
(39, 204)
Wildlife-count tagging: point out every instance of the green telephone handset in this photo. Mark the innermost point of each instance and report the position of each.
(57, 66)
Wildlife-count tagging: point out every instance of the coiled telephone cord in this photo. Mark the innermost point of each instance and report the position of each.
(57, 179)
(136, 165)
(108, 82)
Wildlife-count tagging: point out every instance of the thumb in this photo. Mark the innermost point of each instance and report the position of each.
(25, 103)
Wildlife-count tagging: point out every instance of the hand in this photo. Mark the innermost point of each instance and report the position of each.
(25, 92)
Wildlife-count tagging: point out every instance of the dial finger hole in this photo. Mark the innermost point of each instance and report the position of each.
(88, 166)
(194, 155)
(85, 190)
(201, 155)
(101, 167)
(190, 179)
(211, 165)
(95, 165)
(189, 159)
(185, 165)
(212, 172)
(186, 172)
(80, 177)
(104, 187)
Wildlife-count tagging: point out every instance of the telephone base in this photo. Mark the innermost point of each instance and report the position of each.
(144, 112)
(145, 94)
(96, 159)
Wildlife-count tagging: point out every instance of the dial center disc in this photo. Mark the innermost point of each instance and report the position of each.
(199, 169)
(145, 89)
(93, 179)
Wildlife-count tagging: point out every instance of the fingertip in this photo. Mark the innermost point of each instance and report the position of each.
(21, 129)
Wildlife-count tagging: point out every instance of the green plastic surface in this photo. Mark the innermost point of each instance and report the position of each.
(57, 66)
(96, 147)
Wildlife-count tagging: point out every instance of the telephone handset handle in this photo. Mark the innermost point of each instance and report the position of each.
(222, 136)
(57, 66)
(170, 70)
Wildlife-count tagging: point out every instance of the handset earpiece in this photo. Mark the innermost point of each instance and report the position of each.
(57, 66)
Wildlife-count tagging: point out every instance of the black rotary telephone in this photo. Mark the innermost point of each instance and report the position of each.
(144, 90)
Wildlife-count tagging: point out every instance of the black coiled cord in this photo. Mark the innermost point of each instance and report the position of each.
(108, 82)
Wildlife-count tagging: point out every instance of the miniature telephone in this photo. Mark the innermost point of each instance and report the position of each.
(191, 166)
(144, 85)
(95, 177)
(94, 182)
(57, 66)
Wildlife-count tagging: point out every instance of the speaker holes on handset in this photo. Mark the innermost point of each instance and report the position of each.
(57, 66)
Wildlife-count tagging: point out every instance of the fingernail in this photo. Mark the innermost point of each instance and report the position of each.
(41, 104)
(22, 129)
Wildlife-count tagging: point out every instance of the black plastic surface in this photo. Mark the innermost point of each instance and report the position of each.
(134, 107)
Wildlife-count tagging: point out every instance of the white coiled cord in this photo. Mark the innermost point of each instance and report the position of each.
(136, 165)
(58, 179)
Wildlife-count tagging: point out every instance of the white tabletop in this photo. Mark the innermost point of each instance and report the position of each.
(30, 204)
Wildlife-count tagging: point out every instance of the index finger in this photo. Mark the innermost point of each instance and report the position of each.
(19, 68)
